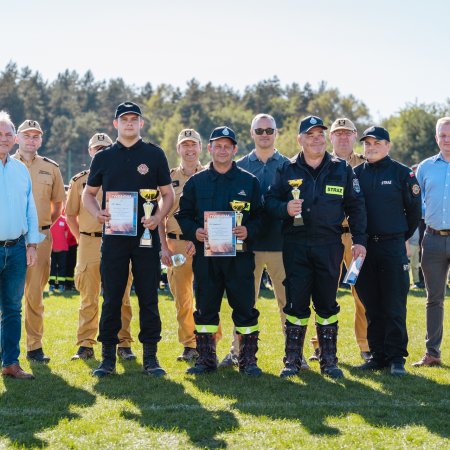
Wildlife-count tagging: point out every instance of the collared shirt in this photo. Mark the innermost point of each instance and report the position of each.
(433, 175)
(48, 185)
(17, 209)
(270, 238)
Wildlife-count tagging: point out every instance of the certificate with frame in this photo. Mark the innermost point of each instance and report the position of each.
(220, 240)
(122, 206)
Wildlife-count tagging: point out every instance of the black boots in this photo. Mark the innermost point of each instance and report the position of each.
(108, 364)
(151, 364)
(207, 359)
(248, 346)
(327, 336)
(295, 337)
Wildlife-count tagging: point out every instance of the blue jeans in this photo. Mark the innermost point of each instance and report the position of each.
(13, 268)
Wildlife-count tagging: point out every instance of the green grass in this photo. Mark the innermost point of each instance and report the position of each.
(65, 407)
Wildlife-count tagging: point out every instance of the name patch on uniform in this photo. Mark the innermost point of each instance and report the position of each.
(334, 190)
(44, 172)
(175, 183)
(386, 182)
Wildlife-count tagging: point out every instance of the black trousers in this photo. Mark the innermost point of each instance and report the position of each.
(312, 273)
(231, 274)
(71, 263)
(117, 252)
(58, 267)
(383, 286)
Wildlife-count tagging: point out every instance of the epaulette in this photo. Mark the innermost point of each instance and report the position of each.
(360, 156)
(79, 175)
(50, 161)
(173, 170)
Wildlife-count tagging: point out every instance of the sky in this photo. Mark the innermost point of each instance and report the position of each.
(385, 53)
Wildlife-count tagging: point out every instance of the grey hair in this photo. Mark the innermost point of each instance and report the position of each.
(5, 118)
(440, 122)
(263, 116)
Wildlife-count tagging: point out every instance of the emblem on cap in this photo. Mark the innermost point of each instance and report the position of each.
(341, 122)
(101, 137)
(188, 133)
(313, 121)
(31, 123)
(225, 131)
(142, 169)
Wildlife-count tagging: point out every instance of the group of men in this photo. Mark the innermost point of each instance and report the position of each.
(302, 239)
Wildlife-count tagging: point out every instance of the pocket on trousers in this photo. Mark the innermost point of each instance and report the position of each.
(79, 270)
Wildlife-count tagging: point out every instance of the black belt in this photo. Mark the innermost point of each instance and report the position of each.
(45, 227)
(438, 232)
(385, 237)
(345, 229)
(10, 242)
(178, 237)
(91, 234)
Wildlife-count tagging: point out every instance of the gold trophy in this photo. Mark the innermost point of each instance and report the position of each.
(295, 184)
(238, 206)
(149, 195)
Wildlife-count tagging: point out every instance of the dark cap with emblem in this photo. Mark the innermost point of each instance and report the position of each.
(378, 133)
(127, 108)
(28, 125)
(310, 122)
(223, 132)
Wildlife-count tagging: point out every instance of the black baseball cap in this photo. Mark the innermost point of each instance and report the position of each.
(127, 108)
(310, 122)
(223, 132)
(379, 133)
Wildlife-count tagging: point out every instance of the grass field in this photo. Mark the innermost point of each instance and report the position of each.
(65, 407)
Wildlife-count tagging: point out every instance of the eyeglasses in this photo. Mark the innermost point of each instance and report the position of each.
(260, 131)
(343, 133)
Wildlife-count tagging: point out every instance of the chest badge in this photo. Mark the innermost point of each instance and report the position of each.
(242, 192)
(143, 169)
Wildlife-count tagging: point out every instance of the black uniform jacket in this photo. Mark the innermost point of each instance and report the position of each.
(211, 191)
(331, 196)
(392, 196)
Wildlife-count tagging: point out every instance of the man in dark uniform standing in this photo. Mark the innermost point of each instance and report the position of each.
(312, 247)
(212, 190)
(393, 206)
(130, 164)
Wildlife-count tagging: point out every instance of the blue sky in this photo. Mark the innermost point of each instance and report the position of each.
(387, 53)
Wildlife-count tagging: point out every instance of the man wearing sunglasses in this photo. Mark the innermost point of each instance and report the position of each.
(263, 162)
(343, 136)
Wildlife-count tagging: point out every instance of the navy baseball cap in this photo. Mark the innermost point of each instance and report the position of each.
(310, 122)
(223, 132)
(379, 133)
(127, 108)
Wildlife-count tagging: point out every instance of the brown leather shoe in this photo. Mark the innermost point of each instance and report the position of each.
(15, 371)
(428, 361)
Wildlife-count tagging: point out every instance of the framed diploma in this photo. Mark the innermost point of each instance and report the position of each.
(220, 240)
(122, 207)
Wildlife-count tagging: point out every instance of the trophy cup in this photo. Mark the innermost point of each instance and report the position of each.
(149, 195)
(238, 206)
(295, 184)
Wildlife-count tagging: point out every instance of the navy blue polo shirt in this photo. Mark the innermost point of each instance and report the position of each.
(270, 238)
(119, 168)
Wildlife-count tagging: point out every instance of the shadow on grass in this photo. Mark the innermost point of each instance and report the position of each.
(30, 407)
(312, 400)
(165, 405)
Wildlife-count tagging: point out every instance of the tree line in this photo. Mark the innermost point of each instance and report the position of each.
(73, 107)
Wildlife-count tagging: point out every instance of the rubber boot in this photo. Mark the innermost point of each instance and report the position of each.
(108, 365)
(327, 336)
(295, 337)
(151, 363)
(248, 346)
(207, 359)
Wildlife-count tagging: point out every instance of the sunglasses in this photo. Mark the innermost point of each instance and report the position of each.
(260, 131)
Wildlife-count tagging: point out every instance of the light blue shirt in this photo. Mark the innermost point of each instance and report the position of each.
(433, 175)
(18, 215)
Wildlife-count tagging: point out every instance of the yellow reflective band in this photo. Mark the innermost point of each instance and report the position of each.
(328, 321)
(335, 190)
(247, 330)
(296, 321)
(206, 328)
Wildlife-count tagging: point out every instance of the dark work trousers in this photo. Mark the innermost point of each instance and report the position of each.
(117, 252)
(58, 267)
(312, 272)
(71, 263)
(383, 286)
(231, 274)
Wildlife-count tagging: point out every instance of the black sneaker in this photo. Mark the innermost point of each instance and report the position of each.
(105, 369)
(125, 353)
(397, 369)
(37, 356)
(371, 364)
(153, 368)
(189, 354)
(84, 353)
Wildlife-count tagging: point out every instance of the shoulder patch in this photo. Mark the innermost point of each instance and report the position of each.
(415, 189)
(79, 175)
(50, 161)
(173, 170)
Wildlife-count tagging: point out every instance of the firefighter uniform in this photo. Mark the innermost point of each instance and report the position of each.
(393, 206)
(48, 186)
(87, 271)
